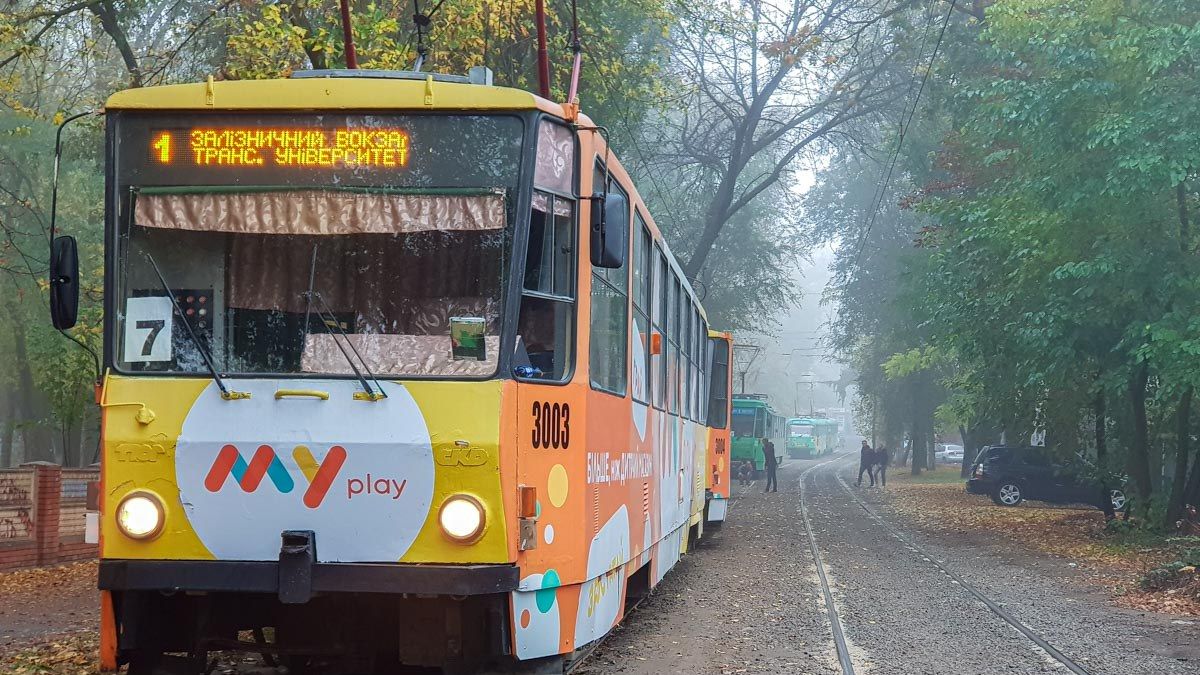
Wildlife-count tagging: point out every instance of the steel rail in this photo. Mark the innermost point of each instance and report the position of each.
(975, 592)
(835, 622)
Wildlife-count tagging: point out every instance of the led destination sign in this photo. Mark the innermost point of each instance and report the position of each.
(282, 147)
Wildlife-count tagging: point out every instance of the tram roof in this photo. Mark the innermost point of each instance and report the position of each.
(815, 421)
(330, 93)
(750, 403)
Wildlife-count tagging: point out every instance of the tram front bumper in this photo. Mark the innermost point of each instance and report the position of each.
(263, 577)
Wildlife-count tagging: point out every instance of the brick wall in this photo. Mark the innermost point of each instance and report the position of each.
(41, 515)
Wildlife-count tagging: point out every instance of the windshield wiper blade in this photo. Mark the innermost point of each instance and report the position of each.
(332, 324)
(204, 353)
(328, 318)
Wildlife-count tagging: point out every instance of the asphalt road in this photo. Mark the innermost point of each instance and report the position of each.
(749, 600)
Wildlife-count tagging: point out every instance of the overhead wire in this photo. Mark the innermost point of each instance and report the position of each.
(904, 127)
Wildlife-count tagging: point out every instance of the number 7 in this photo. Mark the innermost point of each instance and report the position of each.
(155, 327)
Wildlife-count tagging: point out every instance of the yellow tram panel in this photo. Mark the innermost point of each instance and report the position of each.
(141, 456)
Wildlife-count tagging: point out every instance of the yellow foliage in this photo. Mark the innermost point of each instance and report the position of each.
(276, 39)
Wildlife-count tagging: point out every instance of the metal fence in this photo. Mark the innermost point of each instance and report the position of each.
(73, 502)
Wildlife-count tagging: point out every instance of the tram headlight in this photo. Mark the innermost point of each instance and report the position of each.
(140, 515)
(461, 518)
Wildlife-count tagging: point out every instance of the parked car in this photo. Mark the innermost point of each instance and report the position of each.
(949, 453)
(1010, 475)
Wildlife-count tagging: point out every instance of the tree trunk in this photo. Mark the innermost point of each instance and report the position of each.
(917, 453)
(1102, 454)
(6, 428)
(1139, 450)
(968, 459)
(1191, 495)
(1183, 443)
(35, 438)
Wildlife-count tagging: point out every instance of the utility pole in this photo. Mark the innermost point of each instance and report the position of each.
(744, 356)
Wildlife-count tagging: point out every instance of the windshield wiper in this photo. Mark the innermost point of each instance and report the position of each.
(204, 353)
(328, 318)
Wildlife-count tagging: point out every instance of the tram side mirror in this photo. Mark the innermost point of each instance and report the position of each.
(64, 282)
(610, 230)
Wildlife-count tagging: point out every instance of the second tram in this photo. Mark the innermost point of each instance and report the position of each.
(753, 420)
(812, 437)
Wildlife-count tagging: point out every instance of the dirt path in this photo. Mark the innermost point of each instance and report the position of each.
(38, 604)
(745, 601)
(900, 612)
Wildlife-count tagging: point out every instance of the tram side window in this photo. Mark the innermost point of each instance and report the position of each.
(694, 345)
(544, 327)
(610, 320)
(659, 361)
(701, 370)
(643, 247)
(671, 345)
(697, 364)
(685, 351)
(680, 361)
(718, 403)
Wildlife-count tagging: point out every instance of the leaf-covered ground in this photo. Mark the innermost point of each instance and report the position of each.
(938, 503)
(48, 620)
(62, 655)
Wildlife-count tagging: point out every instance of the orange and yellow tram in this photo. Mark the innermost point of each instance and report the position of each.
(398, 370)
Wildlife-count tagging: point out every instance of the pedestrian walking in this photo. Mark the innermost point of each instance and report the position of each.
(883, 457)
(769, 464)
(866, 463)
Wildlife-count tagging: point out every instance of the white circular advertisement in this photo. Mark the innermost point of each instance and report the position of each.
(359, 474)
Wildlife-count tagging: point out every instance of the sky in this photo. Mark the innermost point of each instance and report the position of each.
(792, 366)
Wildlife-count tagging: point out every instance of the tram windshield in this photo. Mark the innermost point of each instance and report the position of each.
(746, 422)
(799, 430)
(315, 244)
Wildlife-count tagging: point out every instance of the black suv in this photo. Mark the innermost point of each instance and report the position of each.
(1010, 475)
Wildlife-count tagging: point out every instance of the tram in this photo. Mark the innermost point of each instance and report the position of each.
(398, 369)
(812, 437)
(753, 420)
(720, 345)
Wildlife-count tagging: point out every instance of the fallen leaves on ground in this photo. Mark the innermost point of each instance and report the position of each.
(40, 580)
(1077, 535)
(64, 655)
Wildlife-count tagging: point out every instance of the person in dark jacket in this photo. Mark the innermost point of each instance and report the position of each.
(883, 457)
(866, 462)
(769, 465)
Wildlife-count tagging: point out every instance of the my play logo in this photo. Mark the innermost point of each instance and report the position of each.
(320, 476)
(266, 463)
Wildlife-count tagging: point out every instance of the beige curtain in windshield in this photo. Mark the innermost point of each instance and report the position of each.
(320, 212)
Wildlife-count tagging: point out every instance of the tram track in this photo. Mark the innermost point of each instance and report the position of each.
(1050, 650)
(835, 622)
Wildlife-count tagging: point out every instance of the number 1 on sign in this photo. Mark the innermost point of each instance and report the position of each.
(163, 145)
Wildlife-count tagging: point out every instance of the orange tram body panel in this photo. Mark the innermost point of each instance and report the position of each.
(717, 480)
(400, 368)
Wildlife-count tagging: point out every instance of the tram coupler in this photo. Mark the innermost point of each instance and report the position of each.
(297, 555)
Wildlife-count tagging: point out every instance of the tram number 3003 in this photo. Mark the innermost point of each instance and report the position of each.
(551, 425)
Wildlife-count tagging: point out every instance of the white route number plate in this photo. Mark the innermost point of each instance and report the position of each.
(148, 329)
